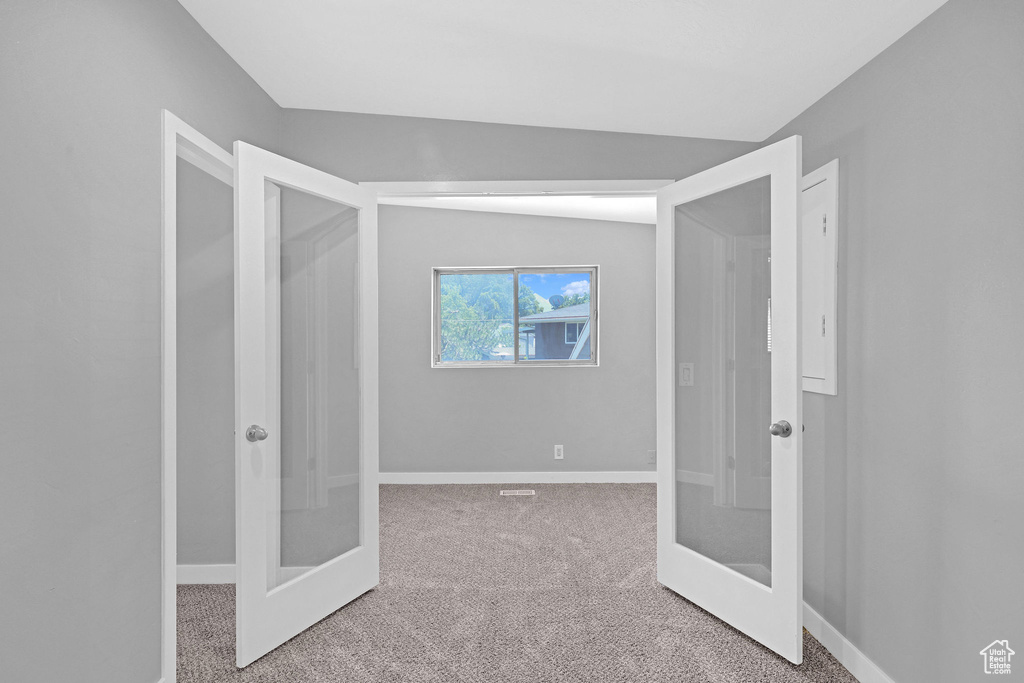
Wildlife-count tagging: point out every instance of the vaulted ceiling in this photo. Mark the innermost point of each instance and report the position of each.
(732, 69)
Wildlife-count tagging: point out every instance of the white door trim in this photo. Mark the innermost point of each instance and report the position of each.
(179, 140)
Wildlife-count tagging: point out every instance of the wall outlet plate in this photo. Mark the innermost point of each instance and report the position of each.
(686, 374)
(559, 452)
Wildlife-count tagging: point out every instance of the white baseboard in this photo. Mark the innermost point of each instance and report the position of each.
(225, 573)
(644, 477)
(701, 478)
(206, 573)
(856, 662)
(340, 480)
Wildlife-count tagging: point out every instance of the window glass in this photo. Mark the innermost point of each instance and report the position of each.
(554, 313)
(476, 317)
(514, 315)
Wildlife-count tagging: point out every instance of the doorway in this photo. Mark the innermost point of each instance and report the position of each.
(261, 205)
(281, 258)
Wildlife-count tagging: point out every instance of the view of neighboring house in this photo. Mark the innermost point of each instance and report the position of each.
(494, 314)
(558, 334)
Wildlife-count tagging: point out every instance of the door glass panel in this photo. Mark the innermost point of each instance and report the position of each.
(317, 518)
(723, 383)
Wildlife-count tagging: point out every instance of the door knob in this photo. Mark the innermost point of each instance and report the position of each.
(781, 428)
(255, 433)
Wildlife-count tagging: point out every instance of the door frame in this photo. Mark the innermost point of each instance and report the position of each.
(179, 141)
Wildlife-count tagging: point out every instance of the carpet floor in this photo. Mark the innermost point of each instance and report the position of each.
(480, 587)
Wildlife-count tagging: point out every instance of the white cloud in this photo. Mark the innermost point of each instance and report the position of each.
(578, 287)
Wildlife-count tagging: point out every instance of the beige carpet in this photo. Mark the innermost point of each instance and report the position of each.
(479, 587)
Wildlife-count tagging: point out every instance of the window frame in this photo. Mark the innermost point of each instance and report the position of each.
(515, 272)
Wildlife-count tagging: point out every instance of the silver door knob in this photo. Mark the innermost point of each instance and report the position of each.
(781, 428)
(255, 433)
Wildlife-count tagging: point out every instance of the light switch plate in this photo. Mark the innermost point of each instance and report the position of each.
(686, 374)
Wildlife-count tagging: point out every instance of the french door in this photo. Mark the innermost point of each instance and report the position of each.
(305, 397)
(729, 394)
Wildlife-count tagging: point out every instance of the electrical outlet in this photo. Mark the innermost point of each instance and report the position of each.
(652, 457)
(559, 452)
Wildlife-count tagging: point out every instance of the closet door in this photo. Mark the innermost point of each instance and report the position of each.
(305, 397)
(729, 394)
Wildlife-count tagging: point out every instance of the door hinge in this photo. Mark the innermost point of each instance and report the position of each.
(824, 224)
(822, 326)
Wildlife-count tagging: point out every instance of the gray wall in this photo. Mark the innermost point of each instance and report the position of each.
(83, 84)
(914, 472)
(206, 368)
(509, 419)
(913, 506)
(361, 147)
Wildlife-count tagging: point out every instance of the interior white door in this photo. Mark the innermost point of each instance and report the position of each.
(728, 337)
(305, 397)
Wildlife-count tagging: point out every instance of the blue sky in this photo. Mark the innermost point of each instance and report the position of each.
(548, 284)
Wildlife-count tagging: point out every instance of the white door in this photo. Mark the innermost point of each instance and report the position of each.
(729, 394)
(305, 397)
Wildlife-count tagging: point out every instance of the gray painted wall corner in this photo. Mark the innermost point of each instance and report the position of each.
(913, 473)
(83, 87)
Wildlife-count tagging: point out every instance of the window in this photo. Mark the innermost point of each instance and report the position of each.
(572, 332)
(515, 316)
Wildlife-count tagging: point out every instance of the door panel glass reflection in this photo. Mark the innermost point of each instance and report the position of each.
(723, 387)
(318, 518)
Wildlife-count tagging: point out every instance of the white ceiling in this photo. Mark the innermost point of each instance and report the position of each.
(627, 201)
(637, 209)
(732, 69)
